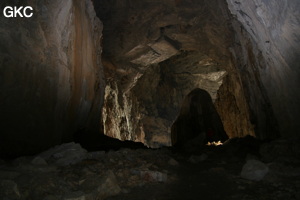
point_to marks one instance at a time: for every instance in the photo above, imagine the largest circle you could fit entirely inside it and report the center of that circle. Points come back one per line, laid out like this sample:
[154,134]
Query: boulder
[65,154]
[91,181]
[254,170]
[9,190]
[173,162]
[288,150]
[108,185]
[196,159]
[75,196]
[38,161]
[153,176]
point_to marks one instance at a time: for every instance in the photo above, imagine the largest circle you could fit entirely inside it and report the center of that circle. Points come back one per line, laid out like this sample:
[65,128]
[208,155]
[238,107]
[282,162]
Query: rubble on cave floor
[69,172]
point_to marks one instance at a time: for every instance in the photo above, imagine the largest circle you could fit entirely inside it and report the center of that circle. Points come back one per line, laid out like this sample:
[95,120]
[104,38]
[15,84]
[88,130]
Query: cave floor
[210,173]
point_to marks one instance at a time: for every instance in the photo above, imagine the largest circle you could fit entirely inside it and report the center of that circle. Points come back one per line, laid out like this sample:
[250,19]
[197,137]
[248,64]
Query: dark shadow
[198,123]
[96,141]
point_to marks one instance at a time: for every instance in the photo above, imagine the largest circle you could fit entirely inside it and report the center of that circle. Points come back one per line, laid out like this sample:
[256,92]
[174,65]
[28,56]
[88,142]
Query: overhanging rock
[152,53]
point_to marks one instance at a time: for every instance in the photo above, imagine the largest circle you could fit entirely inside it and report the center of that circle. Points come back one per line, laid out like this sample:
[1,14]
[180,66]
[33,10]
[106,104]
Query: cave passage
[90,91]
[198,122]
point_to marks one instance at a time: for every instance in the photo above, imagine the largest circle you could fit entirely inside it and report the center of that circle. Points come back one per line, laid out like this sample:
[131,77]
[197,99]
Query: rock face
[274,30]
[50,75]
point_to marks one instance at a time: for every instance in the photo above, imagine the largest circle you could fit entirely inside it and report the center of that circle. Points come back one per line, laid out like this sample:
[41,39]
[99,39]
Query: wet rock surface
[214,172]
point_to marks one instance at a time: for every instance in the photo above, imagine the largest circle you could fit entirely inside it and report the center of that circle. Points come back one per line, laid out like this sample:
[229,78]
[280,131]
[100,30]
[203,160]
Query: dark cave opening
[197,123]
[95,141]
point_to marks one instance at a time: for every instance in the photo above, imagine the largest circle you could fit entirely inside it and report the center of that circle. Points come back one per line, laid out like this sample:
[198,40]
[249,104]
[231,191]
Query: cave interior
[196,91]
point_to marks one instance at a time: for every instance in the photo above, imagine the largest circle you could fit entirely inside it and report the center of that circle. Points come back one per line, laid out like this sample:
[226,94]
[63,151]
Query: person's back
[197,123]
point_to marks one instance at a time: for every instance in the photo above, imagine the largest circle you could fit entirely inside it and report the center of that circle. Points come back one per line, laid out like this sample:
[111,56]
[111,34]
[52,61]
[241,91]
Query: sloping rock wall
[273,52]
[50,74]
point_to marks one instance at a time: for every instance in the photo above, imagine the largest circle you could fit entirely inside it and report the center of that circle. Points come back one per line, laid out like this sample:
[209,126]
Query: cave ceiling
[138,35]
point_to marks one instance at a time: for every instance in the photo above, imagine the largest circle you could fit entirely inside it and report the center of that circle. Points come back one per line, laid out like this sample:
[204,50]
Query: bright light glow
[214,143]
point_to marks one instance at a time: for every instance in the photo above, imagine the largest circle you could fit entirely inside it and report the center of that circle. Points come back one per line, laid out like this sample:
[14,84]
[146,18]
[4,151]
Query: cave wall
[51,78]
[255,43]
[273,51]
[157,52]
[162,89]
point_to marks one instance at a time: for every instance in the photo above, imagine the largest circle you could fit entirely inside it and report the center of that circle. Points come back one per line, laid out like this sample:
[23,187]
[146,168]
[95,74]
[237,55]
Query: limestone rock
[173,162]
[153,176]
[8,174]
[65,154]
[108,185]
[49,87]
[92,181]
[51,197]
[277,169]
[75,196]
[280,149]
[38,161]
[276,51]
[197,159]
[254,170]
[9,189]
[159,51]
[96,155]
